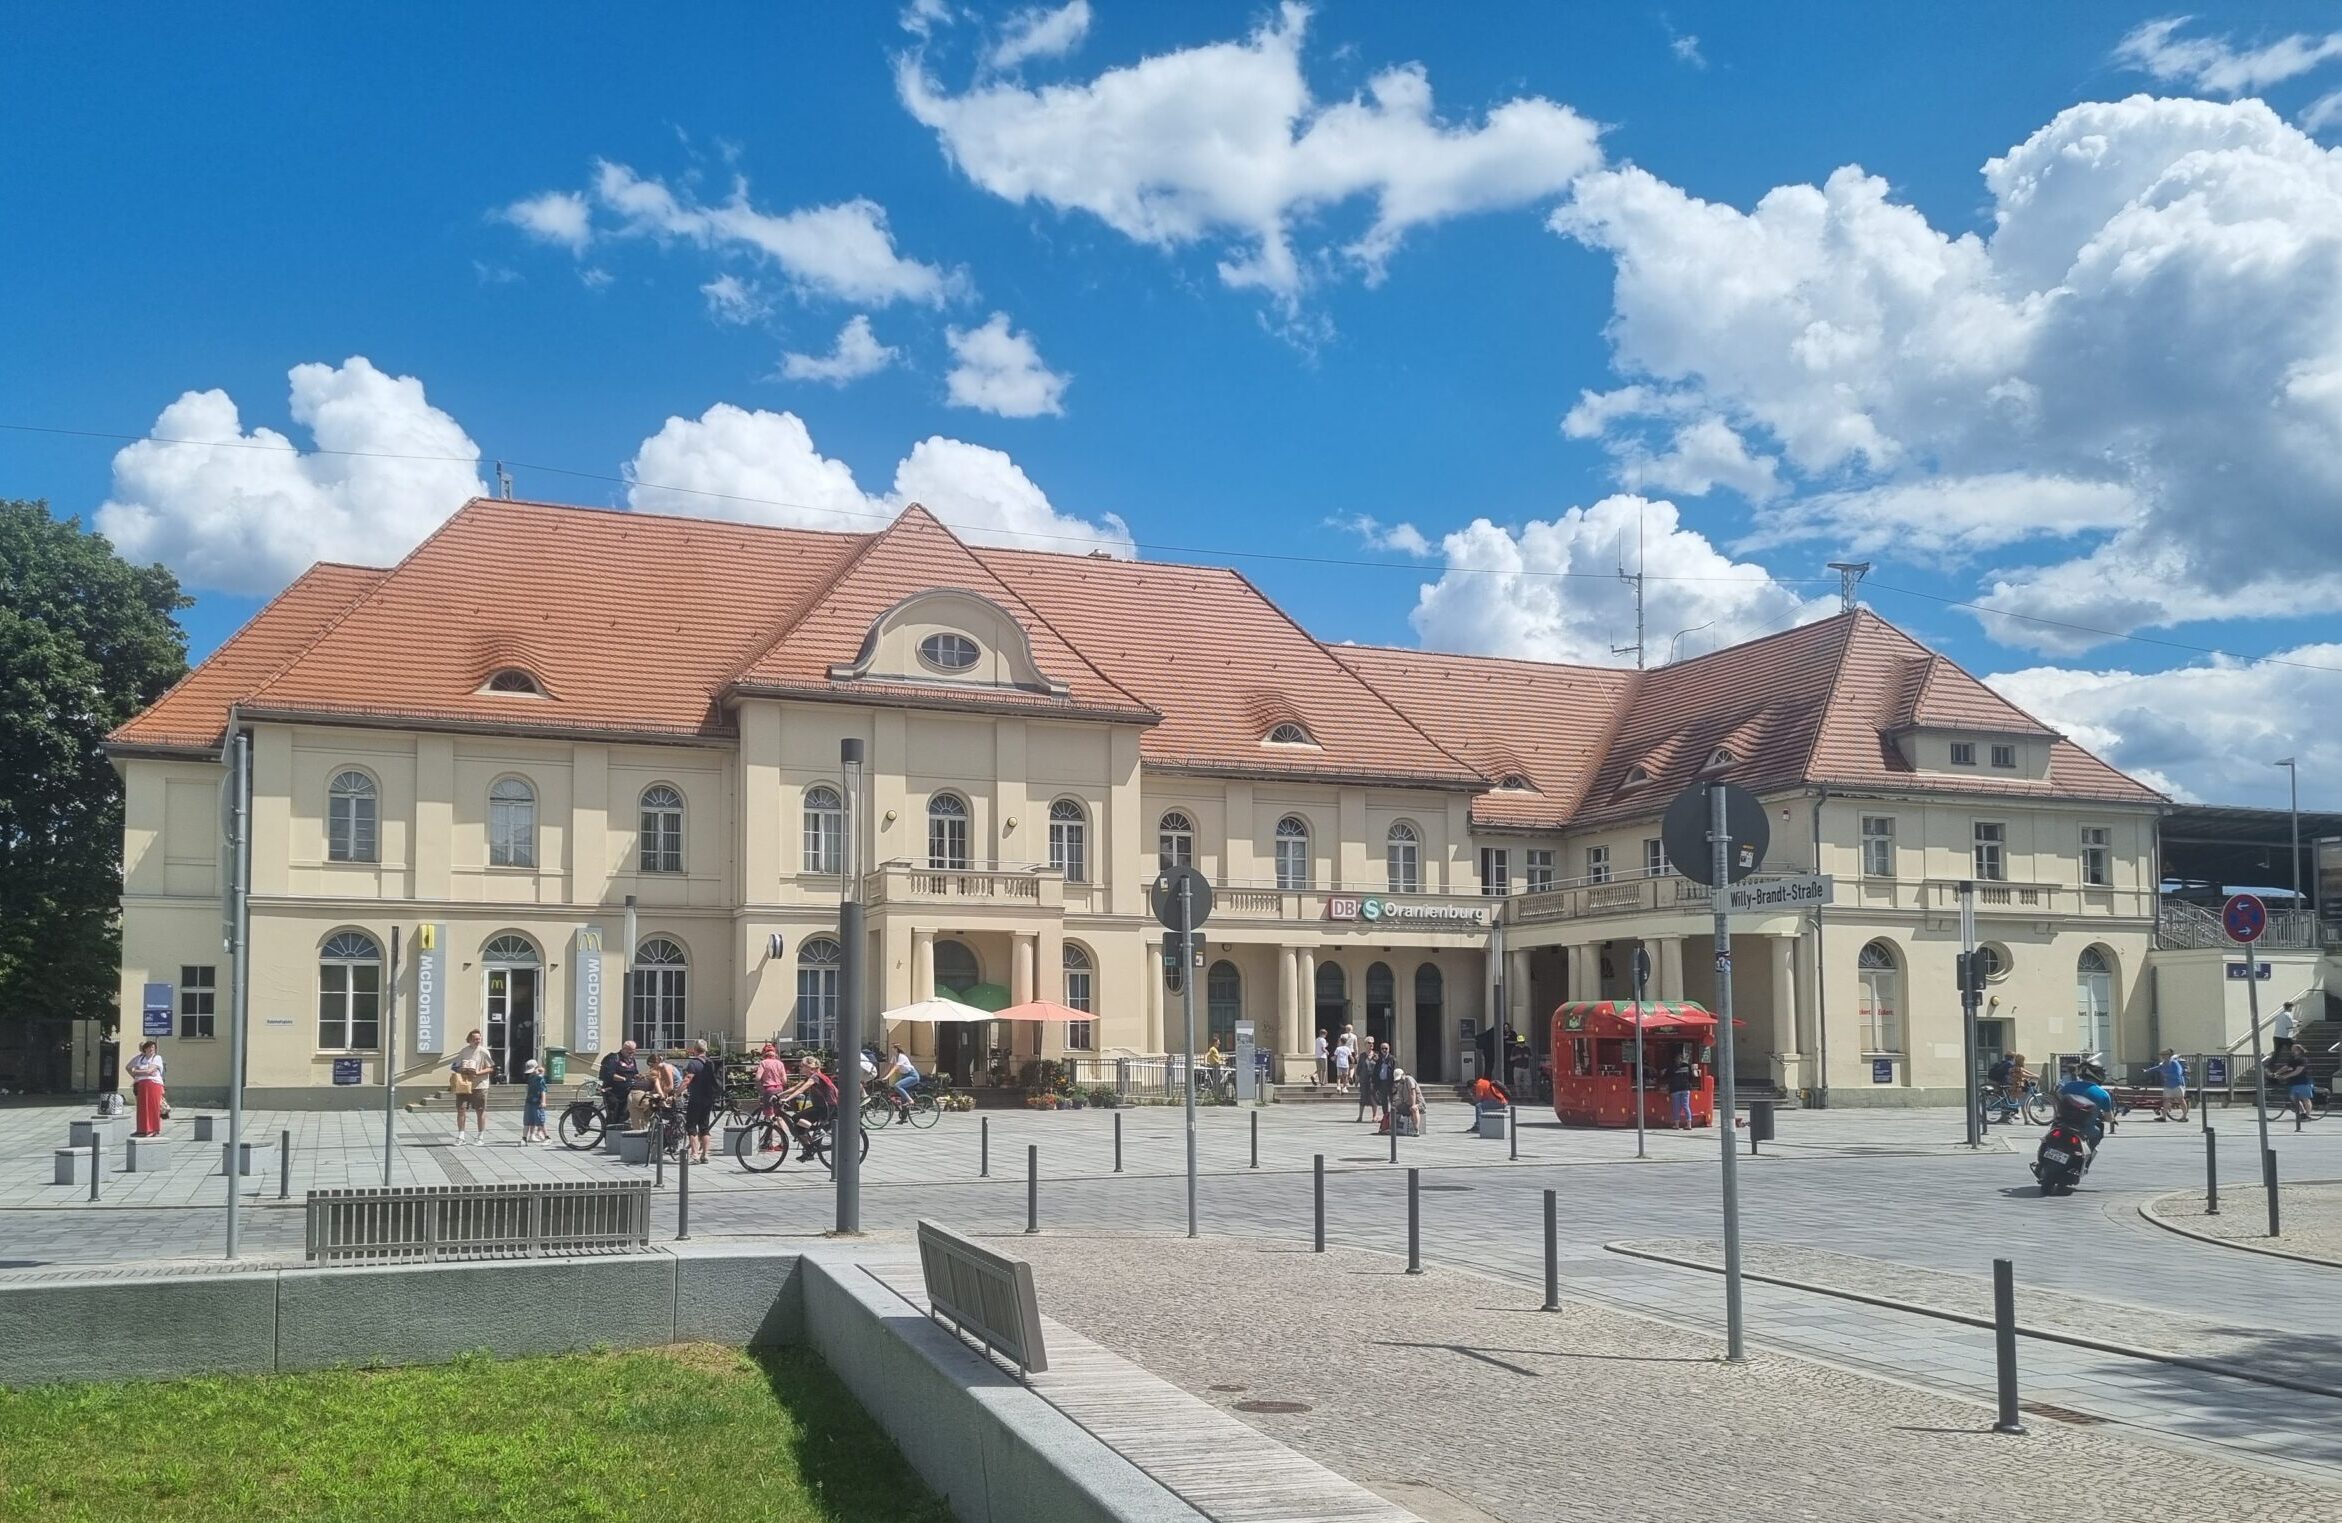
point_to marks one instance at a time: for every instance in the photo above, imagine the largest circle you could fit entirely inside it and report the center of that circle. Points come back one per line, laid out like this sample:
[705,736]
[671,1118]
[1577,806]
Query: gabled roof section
[1538,718]
[1206,650]
[1947,698]
[193,714]
[912,555]
[629,620]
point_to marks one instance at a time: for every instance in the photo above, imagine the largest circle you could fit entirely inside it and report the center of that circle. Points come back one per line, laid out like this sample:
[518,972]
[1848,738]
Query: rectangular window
[825,832]
[1175,842]
[2097,856]
[1654,857]
[1080,1036]
[198,992]
[1495,870]
[512,827]
[1403,862]
[1992,839]
[350,826]
[1878,846]
[2005,758]
[1292,862]
[1068,849]
[1539,867]
[947,842]
[349,1006]
[662,839]
[817,1004]
[1597,864]
[1963,753]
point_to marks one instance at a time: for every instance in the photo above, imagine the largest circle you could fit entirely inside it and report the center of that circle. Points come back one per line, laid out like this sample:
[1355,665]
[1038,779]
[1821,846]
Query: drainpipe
[1821,981]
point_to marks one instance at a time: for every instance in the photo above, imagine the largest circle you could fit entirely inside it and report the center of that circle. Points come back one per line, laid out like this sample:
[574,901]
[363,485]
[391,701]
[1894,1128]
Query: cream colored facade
[745,876]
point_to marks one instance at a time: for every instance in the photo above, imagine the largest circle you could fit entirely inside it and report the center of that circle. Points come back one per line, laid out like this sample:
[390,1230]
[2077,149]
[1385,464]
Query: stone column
[1305,987]
[922,965]
[1784,1022]
[1020,981]
[1670,968]
[1519,1015]
[1295,1035]
[1403,1016]
[1151,971]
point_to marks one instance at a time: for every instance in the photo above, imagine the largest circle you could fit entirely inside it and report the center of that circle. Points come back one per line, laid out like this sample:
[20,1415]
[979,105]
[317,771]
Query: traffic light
[1968,974]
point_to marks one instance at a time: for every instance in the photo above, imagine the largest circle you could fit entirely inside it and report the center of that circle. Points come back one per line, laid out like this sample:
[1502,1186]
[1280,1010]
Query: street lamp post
[846,1127]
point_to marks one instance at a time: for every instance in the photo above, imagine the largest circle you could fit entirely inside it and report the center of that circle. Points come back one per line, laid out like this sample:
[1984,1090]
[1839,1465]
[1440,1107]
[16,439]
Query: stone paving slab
[1446,1381]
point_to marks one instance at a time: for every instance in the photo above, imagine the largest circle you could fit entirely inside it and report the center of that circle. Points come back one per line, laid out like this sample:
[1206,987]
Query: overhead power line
[1201,552]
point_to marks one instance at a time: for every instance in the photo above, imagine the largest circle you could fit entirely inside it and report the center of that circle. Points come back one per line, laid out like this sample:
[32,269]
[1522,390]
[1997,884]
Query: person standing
[772,1075]
[1322,1045]
[146,1085]
[2171,1073]
[2284,1026]
[702,1082]
[468,1079]
[532,1112]
[1683,1077]
[1386,1072]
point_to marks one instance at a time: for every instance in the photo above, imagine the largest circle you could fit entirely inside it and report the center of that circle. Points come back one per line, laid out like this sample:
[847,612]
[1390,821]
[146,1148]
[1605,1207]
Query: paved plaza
[1891,1198]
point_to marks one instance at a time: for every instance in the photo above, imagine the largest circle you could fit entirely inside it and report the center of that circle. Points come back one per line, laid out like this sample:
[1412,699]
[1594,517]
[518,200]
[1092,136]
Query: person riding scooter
[2089,1085]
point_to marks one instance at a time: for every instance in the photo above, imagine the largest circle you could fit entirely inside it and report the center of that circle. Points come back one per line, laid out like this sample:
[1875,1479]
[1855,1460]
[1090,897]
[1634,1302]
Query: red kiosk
[1594,1082]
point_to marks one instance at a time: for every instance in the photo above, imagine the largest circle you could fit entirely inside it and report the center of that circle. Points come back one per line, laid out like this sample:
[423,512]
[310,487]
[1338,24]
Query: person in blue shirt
[2089,1083]
[2171,1073]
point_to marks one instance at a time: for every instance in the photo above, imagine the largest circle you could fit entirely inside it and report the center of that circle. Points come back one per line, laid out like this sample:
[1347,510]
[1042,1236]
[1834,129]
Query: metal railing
[2183,925]
[434,1224]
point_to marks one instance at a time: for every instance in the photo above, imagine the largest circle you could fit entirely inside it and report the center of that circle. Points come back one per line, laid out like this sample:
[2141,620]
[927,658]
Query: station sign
[1368,910]
[1804,892]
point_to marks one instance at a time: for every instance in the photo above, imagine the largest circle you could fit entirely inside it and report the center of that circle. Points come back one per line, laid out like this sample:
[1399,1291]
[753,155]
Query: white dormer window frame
[513,682]
[1514,782]
[949,652]
[1719,759]
[1637,776]
[1289,733]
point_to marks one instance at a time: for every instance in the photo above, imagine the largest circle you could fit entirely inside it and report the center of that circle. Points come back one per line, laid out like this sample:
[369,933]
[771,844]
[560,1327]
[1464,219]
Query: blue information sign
[2215,1070]
[154,1014]
[349,1070]
[1882,1070]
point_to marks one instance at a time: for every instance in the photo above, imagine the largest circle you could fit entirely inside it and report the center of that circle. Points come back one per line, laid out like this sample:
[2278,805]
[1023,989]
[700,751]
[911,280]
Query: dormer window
[948,652]
[1514,782]
[1636,777]
[1719,759]
[1289,735]
[511,679]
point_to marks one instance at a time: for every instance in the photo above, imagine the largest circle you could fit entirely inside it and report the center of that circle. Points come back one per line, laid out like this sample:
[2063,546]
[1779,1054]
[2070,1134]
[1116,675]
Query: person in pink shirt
[772,1074]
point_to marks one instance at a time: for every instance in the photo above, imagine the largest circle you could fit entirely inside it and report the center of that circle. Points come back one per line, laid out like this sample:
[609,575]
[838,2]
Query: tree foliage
[86,641]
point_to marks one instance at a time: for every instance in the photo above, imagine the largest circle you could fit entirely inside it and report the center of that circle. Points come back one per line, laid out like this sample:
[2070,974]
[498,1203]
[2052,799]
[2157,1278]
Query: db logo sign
[1342,907]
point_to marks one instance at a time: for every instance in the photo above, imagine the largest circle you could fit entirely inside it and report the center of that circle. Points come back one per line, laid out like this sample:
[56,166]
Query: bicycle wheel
[877,1109]
[2038,1108]
[825,1144]
[581,1126]
[924,1112]
[763,1147]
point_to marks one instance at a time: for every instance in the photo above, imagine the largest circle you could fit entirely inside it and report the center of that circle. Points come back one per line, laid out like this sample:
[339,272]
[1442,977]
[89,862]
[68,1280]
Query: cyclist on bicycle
[619,1071]
[819,1094]
[903,1076]
[2010,1077]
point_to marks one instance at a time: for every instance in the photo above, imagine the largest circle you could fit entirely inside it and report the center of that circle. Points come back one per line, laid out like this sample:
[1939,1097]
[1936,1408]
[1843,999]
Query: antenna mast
[1636,582]
[1850,575]
[503,482]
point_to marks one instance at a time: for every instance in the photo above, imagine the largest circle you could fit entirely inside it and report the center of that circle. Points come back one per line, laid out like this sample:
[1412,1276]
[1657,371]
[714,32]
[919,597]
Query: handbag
[459,1083]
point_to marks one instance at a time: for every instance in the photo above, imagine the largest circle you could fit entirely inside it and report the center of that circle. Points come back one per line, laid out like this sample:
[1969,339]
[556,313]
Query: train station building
[469,765]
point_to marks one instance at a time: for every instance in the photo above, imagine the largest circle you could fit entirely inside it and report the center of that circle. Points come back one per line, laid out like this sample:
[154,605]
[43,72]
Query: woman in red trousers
[146,1082]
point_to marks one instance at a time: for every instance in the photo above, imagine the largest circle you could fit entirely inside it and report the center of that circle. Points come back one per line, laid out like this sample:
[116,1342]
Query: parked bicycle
[587,1117]
[1999,1107]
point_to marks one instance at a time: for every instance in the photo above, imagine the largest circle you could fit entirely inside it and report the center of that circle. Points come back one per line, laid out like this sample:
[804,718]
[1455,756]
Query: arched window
[1381,986]
[2094,1000]
[1514,782]
[1175,840]
[1069,840]
[350,815]
[818,962]
[956,968]
[662,829]
[512,823]
[1292,854]
[511,949]
[1224,1003]
[512,679]
[1289,734]
[825,830]
[1080,994]
[1403,858]
[1333,998]
[657,996]
[349,993]
[947,831]
[1882,998]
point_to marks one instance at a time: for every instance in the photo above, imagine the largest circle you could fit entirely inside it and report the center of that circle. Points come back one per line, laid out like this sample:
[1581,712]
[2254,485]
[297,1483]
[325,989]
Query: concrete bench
[203,1126]
[252,1157]
[99,1129]
[634,1146]
[73,1165]
[146,1155]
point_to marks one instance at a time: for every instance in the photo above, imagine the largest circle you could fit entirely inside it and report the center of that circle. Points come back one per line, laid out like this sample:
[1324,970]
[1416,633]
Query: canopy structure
[936,1011]
[1042,1010]
[1619,1018]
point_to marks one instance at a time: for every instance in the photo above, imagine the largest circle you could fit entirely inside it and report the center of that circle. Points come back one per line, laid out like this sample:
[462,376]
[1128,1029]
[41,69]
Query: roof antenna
[1850,575]
[1636,582]
[503,482]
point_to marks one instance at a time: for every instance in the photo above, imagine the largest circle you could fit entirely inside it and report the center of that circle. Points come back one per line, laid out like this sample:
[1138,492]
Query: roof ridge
[1537,662]
[1813,743]
[791,617]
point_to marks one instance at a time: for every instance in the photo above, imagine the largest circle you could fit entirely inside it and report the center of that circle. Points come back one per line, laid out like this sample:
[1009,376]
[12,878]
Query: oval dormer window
[948,652]
[512,679]
[1514,782]
[1290,735]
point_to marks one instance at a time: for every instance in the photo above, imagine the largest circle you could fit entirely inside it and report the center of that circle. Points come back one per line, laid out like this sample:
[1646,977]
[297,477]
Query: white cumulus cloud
[246,512]
[2216,64]
[999,371]
[762,467]
[1549,590]
[733,300]
[2147,344]
[1040,32]
[2206,732]
[557,216]
[1227,143]
[856,354]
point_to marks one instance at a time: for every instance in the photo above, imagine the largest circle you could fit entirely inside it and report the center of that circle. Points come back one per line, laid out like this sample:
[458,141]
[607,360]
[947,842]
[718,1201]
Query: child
[532,1116]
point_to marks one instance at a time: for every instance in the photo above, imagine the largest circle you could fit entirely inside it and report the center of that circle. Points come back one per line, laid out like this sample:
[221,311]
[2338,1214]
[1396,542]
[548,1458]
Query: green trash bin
[556,1064]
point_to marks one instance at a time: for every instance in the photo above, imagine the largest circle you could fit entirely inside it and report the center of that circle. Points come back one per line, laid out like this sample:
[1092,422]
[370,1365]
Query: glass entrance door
[512,1020]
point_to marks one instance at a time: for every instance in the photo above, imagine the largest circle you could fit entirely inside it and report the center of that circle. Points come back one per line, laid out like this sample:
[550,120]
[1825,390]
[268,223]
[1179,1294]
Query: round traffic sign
[2244,917]
[1684,831]
[1164,895]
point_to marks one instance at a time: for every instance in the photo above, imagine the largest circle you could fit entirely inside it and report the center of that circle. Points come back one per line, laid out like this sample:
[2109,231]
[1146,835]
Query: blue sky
[1248,299]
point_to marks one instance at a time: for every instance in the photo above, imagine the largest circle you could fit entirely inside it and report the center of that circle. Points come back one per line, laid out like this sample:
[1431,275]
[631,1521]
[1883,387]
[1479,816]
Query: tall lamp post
[854,946]
[2293,803]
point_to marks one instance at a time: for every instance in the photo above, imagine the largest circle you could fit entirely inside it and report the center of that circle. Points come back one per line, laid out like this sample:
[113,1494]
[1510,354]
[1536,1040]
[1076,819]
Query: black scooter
[2065,1153]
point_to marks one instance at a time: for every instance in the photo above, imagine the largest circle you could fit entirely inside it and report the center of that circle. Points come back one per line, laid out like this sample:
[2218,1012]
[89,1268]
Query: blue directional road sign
[2244,917]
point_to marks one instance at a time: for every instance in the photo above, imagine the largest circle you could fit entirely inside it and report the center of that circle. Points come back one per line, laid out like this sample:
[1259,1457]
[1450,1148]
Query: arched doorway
[1430,1041]
[1882,999]
[1224,1005]
[962,1049]
[1382,1004]
[2094,1002]
[1333,999]
[514,973]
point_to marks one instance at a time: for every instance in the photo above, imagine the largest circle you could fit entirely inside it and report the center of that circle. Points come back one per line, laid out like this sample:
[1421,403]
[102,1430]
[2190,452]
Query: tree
[86,641]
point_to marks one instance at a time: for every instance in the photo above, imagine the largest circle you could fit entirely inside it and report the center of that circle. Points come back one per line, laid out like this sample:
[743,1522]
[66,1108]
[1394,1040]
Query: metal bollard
[1414,1222]
[2269,1184]
[1552,1256]
[2211,1172]
[1032,1188]
[2004,1343]
[1319,1170]
[1512,1131]
[1394,1125]
[1256,1139]
[658,1154]
[1118,1142]
[284,1164]
[683,1197]
[983,1147]
[97,1162]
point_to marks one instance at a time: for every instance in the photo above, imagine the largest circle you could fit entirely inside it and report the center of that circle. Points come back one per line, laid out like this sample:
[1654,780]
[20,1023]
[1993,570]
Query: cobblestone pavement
[1445,1381]
[1890,1186]
[2310,1221]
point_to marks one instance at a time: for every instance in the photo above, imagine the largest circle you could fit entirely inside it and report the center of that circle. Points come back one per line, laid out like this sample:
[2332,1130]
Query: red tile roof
[648,625]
